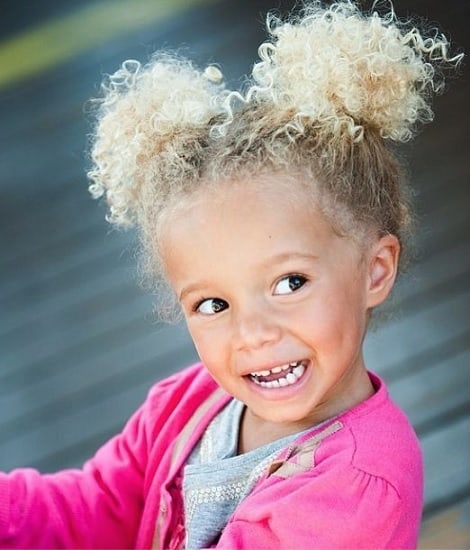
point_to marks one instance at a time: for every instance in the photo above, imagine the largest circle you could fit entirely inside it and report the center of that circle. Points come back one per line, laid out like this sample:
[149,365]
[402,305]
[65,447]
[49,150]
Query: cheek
[208,345]
[335,319]
[214,357]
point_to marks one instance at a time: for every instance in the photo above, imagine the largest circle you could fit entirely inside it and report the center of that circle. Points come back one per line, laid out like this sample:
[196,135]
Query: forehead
[245,201]
[244,218]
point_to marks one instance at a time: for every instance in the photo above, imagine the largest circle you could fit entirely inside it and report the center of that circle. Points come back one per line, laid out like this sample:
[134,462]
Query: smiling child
[275,219]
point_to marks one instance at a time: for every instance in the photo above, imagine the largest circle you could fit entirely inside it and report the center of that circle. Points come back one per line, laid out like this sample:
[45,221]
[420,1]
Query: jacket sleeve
[96,507]
[338,509]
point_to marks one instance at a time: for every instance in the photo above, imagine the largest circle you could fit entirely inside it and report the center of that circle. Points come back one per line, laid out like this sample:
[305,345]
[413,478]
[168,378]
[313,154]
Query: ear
[382,269]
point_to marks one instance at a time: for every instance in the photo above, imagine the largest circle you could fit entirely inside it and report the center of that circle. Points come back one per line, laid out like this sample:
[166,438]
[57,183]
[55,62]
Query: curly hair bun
[143,115]
[342,70]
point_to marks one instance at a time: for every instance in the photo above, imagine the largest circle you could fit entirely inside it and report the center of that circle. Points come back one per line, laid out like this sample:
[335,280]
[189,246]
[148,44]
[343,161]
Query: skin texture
[264,280]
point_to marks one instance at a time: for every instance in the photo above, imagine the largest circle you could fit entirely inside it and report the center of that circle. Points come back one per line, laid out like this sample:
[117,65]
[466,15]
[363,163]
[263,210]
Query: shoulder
[383,442]
[354,482]
[376,456]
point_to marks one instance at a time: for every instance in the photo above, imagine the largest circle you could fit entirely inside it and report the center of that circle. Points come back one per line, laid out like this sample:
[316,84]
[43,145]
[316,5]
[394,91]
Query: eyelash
[197,305]
[302,278]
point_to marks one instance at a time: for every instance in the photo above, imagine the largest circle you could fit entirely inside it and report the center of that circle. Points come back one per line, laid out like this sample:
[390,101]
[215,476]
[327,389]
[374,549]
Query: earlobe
[383,266]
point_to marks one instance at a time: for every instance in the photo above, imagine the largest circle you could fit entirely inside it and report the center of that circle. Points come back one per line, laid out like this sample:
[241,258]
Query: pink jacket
[356,482]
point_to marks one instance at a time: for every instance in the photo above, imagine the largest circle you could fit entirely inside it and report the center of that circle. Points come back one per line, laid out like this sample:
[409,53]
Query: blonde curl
[145,122]
[341,70]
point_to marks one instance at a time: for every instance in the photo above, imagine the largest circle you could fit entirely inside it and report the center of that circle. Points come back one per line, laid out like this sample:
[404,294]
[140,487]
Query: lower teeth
[288,380]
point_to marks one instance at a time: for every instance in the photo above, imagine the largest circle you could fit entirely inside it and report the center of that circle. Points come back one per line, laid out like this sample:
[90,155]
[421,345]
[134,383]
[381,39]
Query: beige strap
[303,454]
[188,430]
[180,445]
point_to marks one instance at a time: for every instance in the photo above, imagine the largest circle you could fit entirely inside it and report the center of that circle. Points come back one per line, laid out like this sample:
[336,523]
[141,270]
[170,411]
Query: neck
[255,431]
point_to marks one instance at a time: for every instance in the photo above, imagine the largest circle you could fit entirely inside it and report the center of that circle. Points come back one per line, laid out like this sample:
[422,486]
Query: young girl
[275,219]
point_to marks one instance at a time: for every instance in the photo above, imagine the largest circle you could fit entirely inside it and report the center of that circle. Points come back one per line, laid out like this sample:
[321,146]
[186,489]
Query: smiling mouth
[281,376]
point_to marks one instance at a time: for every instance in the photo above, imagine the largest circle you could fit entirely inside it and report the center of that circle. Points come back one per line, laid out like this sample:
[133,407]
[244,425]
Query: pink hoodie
[356,482]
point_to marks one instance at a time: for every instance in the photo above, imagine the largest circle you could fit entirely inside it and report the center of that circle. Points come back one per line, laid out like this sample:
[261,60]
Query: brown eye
[211,306]
[289,284]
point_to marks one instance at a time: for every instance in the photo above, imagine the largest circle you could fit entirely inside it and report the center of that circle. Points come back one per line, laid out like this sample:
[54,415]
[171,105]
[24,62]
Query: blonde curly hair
[334,89]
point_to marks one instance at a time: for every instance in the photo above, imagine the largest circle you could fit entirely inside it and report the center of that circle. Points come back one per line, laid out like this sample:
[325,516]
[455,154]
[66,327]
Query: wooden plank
[448,529]
[428,396]
[60,321]
[55,217]
[50,294]
[391,349]
[105,406]
[446,453]
[110,350]
[434,270]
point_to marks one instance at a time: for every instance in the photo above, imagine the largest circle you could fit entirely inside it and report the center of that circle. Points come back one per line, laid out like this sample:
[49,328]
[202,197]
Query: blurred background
[79,343]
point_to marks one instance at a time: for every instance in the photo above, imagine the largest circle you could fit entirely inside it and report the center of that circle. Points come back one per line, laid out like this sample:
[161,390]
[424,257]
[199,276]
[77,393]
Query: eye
[211,306]
[289,284]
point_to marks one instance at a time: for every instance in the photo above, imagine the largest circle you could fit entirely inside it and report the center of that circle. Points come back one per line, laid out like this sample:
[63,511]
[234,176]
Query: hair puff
[146,121]
[340,70]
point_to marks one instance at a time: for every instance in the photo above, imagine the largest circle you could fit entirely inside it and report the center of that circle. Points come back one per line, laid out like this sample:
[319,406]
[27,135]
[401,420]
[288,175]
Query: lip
[285,392]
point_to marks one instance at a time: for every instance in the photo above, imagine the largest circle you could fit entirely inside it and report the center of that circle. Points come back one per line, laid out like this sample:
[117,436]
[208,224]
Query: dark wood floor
[79,346]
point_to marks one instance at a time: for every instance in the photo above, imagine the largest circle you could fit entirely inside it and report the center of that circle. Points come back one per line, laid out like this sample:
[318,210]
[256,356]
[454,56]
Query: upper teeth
[274,370]
[290,378]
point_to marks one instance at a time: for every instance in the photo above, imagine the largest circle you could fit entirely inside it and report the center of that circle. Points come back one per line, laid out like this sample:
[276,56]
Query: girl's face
[275,301]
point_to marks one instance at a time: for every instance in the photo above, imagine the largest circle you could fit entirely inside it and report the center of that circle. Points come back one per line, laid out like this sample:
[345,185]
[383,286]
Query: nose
[255,329]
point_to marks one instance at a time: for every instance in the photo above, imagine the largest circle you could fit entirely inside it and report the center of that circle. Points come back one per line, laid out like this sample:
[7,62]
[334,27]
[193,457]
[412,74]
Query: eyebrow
[192,288]
[286,256]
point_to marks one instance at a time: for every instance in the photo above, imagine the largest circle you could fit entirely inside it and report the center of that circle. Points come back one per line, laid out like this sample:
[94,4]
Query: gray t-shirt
[216,479]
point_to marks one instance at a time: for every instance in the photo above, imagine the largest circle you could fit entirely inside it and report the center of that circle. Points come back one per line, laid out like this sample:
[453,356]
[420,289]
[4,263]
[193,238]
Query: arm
[102,505]
[98,506]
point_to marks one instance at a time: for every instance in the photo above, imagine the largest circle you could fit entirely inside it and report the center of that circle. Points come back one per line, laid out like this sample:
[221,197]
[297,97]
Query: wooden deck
[78,344]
